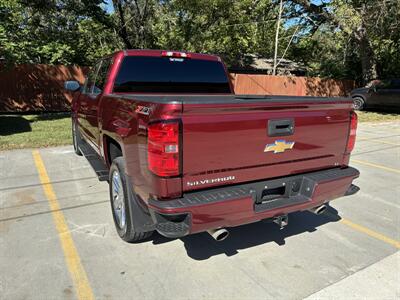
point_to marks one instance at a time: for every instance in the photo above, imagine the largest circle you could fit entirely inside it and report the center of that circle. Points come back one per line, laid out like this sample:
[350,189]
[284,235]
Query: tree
[50,31]
[278,25]
[333,38]
[136,18]
[123,33]
[229,28]
[364,21]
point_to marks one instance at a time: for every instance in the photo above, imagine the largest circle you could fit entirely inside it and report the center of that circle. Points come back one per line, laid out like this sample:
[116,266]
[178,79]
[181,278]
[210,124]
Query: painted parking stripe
[375,137]
[73,261]
[366,163]
[371,233]
[378,142]
[365,230]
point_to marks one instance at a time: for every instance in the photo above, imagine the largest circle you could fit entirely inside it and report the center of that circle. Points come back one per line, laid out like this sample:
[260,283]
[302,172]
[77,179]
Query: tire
[359,103]
[120,195]
[76,139]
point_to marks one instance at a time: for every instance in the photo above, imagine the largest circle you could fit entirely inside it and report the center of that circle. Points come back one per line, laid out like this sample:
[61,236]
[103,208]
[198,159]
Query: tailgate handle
[280,127]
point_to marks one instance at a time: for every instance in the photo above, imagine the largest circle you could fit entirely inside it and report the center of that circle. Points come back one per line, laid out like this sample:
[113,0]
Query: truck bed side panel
[126,121]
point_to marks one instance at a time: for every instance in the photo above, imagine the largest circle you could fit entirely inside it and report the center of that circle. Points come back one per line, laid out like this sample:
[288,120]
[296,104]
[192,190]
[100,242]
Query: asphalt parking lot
[57,239]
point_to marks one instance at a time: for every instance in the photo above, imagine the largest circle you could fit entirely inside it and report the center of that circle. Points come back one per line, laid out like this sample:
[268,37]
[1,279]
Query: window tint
[396,83]
[389,84]
[88,89]
[102,75]
[171,75]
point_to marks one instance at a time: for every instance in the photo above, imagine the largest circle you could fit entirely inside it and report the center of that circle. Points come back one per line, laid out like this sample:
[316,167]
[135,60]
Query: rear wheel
[76,139]
[359,103]
[120,195]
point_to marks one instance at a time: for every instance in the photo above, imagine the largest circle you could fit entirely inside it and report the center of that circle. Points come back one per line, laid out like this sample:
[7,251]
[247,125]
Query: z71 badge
[279,146]
[143,110]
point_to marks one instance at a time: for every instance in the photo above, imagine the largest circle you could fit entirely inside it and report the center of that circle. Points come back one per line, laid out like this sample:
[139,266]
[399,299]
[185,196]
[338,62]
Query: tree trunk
[122,32]
[141,22]
[278,25]
[368,63]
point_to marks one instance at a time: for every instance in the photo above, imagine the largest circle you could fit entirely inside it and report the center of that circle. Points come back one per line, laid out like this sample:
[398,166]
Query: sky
[109,6]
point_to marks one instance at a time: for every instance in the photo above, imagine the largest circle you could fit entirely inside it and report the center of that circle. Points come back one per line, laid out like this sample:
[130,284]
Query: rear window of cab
[148,74]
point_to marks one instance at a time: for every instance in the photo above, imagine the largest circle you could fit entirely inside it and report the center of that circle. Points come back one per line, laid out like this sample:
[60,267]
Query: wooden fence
[37,87]
[291,86]
[33,88]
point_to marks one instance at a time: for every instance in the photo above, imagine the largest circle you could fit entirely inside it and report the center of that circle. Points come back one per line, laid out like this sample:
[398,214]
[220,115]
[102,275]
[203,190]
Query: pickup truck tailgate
[227,143]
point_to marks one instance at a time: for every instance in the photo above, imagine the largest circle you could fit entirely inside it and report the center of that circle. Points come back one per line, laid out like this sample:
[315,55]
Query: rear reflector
[176,54]
[352,133]
[163,148]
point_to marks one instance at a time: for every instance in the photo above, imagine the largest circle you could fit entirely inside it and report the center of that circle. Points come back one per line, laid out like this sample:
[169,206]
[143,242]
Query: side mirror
[72,85]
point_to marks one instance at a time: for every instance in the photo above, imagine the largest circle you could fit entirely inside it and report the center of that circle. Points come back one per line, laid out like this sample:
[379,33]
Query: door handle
[280,127]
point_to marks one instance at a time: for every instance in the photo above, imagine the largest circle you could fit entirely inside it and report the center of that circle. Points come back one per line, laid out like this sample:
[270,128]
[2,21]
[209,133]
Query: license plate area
[272,193]
[283,192]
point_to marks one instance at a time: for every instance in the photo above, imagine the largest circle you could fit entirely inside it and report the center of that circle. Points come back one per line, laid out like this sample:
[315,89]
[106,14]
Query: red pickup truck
[184,154]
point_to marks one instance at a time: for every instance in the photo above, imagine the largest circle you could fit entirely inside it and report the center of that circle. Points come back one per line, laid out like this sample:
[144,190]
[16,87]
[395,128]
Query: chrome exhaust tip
[218,234]
[318,210]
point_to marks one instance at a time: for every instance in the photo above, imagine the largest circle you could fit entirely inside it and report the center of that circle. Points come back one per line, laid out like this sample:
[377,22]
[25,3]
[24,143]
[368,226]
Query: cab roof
[155,53]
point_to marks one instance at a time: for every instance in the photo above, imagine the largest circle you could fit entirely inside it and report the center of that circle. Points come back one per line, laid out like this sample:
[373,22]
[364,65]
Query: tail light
[352,133]
[163,148]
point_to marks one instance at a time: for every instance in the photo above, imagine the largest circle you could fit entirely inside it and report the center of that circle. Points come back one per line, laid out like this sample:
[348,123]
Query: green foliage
[333,38]
[207,26]
[357,39]
[94,41]
[52,32]
[324,54]
[12,46]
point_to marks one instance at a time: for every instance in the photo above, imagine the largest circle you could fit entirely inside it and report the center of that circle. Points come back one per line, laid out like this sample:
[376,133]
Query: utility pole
[278,25]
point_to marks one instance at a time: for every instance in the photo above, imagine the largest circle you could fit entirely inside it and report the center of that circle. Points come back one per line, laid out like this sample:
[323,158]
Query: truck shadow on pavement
[201,246]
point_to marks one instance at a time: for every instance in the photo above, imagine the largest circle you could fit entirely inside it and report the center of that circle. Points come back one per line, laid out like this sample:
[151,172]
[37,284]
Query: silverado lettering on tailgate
[210,181]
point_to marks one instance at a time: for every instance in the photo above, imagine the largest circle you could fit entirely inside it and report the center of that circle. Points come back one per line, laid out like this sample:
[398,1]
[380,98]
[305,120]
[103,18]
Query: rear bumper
[246,203]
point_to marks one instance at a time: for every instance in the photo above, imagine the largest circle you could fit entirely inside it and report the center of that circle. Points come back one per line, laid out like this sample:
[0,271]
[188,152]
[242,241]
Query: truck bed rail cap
[222,99]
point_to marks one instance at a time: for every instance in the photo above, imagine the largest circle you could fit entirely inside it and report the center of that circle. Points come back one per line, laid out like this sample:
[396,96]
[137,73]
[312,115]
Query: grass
[45,130]
[371,116]
[34,131]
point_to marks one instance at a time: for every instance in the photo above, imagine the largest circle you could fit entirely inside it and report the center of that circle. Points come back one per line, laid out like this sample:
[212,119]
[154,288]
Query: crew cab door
[90,101]
[94,98]
[86,103]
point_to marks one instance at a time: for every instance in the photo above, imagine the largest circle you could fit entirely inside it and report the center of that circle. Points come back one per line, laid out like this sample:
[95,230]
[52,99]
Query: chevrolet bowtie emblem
[279,146]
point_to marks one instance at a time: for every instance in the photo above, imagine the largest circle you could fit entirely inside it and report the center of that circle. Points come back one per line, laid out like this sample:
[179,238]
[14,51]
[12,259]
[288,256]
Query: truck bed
[224,137]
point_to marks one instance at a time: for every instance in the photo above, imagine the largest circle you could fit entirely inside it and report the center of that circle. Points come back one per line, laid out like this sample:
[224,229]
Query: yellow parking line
[361,162]
[371,233]
[377,142]
[71,255]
